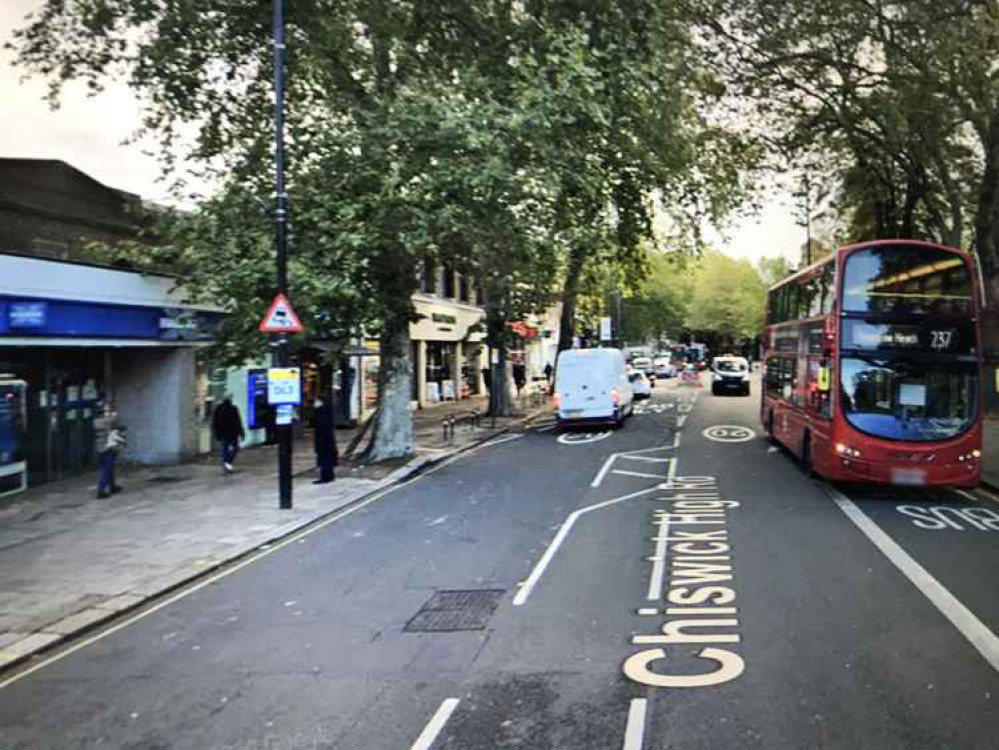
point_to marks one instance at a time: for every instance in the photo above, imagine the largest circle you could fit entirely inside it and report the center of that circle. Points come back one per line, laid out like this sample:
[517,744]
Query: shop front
[448,353]
[75,335]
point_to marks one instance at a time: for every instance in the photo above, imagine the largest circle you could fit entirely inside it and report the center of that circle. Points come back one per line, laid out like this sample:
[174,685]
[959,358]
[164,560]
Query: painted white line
[539,569]
[981,494]
[658,573]
[676,441]
[255,556]
[549,428]
[603,470]
[638,474]
[502,440]
[634,732]
[435,725]
[649,459]
[950,607]
[680,421]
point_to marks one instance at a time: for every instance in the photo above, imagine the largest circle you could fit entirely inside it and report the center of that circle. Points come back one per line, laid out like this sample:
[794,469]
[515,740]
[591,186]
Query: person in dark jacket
[327,456]
[227,426]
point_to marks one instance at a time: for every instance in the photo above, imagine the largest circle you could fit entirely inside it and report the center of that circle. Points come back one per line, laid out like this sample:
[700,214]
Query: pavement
[69,562]
[677,583]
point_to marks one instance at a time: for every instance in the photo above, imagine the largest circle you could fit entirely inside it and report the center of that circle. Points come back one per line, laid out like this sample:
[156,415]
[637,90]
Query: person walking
[519,376]
[109,439]
[227,427]
[548,374]
[327,456]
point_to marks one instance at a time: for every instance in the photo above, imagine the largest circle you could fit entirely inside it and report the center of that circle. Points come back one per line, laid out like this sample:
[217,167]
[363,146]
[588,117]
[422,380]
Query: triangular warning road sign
[281,317]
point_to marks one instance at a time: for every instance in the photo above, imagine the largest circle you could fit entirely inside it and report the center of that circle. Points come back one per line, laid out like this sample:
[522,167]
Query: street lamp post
[281,228]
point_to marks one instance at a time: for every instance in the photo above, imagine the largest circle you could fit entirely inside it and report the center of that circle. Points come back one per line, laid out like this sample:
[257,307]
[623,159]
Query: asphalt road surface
[677,583]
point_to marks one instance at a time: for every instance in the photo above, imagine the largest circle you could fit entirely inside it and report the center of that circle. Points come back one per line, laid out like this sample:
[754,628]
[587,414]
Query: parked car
[592,386]
[644,364]
[664,367]
[728,374]
[640,384]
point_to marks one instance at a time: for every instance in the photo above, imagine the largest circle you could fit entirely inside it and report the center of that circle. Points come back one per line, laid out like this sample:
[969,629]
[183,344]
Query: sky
[88,132]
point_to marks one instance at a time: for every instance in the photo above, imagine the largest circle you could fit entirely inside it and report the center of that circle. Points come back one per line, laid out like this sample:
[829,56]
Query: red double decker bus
[872,368]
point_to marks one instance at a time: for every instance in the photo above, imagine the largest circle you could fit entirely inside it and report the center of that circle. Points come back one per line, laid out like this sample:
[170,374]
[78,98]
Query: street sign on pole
[284,386]
[281,317]
[606,332]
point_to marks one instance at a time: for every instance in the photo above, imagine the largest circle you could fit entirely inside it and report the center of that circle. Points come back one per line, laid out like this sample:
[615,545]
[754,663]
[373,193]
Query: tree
[728,298]
[773,270]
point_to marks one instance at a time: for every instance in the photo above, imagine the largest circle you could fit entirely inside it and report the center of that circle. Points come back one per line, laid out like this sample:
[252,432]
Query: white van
[591,385]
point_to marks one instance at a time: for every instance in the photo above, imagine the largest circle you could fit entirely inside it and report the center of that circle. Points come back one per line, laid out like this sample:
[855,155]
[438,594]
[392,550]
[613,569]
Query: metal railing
[451,422]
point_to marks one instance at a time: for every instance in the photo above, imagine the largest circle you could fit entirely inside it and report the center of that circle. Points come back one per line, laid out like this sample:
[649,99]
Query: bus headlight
[845,450]
[972,456]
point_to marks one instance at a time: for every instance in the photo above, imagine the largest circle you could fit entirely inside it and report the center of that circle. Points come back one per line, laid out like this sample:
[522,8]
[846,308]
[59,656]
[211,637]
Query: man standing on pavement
[325,440]
[227,427]
[108,440]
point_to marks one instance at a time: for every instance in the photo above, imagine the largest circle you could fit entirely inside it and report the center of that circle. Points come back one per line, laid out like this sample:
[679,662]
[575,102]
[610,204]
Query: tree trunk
[570,291]
[500,404]
[393,433]
[987,215]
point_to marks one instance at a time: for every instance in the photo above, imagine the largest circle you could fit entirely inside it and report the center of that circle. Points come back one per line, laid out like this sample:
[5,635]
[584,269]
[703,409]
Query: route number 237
[941,340]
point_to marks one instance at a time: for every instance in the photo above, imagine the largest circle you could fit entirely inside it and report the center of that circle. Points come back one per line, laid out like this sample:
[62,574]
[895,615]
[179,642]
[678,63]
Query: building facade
[75,334]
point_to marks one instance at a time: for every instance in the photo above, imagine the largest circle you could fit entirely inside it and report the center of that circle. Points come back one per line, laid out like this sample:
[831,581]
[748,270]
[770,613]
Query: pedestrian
[227,427]
[519,376]
[548,373]
[109,439]
[327,456]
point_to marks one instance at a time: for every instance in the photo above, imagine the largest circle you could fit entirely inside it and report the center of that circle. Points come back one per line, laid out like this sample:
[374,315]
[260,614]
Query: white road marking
[659,566]
[539,570]
[502,440]
[650,459]
[634,732]
[549,428]
[436,724]
[983,639]
[603,470]
[437,521]
[982,493]
[680,420]
[638,474]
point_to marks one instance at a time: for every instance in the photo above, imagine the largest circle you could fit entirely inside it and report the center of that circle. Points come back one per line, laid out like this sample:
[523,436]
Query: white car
[644,364]
[664,367]
[728,374]
[640,384]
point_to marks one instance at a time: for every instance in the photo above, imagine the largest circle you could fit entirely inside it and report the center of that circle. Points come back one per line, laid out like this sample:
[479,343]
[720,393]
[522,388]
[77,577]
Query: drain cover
[449,611]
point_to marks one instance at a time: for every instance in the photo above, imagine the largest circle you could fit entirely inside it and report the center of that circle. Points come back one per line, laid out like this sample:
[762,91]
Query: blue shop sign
[69,319]
[26,314]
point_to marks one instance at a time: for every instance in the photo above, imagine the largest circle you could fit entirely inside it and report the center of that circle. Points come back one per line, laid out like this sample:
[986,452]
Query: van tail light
[615,396]
[556,398]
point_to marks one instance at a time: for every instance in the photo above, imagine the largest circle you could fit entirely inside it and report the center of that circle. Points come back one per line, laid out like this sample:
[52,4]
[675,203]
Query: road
[826,618]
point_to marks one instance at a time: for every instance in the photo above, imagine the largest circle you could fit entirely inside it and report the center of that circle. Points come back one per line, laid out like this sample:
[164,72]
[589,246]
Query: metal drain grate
[449,611]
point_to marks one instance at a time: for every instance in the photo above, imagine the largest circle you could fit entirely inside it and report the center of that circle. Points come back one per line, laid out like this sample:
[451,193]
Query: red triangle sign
[281,317]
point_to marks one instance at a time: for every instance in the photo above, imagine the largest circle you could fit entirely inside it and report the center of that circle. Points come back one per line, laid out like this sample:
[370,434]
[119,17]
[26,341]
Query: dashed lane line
[435,725]
[634,732]
[528,585]
[983,639]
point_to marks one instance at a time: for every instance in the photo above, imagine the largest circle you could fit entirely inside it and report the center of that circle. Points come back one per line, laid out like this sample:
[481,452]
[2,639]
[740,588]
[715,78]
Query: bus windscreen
[907,280]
